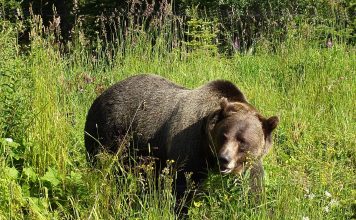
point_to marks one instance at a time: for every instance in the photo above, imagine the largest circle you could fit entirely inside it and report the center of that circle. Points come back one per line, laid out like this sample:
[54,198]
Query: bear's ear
[270,124]
[212,119]
[228,108]
[223,103]
[216,116]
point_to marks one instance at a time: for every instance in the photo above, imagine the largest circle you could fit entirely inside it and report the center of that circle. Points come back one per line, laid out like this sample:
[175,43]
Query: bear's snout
[225,164]
[224,159]
[230,159]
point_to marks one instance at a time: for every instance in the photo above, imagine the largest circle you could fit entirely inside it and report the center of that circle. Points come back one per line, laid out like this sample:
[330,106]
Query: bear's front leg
[256,180]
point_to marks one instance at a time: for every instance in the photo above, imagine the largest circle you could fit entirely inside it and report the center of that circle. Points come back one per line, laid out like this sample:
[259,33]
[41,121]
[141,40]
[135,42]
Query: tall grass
[45,96]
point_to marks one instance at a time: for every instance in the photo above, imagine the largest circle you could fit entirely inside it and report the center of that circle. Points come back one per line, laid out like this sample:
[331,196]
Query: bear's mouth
[225,171]
[226,168]
[238,169]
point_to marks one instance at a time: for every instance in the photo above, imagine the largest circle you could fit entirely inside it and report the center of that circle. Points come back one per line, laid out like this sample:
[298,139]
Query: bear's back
[143,83]
[142,103]
[136,95]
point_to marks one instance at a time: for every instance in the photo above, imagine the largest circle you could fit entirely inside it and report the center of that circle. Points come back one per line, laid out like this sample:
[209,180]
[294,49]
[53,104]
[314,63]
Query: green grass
[45,97]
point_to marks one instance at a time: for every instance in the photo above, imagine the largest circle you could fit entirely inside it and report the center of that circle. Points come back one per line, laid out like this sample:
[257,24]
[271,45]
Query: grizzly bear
[210,127]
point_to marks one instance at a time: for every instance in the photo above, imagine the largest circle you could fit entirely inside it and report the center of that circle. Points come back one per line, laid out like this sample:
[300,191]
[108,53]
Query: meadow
[45,95]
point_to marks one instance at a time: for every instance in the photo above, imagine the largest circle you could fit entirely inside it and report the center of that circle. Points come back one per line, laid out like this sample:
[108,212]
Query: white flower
[327,194]
[333,203]
[326,209]
[311,196]
[305,218]
[9,140]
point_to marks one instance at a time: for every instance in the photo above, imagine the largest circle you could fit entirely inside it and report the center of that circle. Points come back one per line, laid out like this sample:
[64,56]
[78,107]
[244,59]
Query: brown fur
[211,126]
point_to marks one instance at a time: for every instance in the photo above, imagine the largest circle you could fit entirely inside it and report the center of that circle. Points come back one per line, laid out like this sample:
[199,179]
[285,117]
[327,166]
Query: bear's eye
[240,139]
[225,137]
[242,148]
[242,144]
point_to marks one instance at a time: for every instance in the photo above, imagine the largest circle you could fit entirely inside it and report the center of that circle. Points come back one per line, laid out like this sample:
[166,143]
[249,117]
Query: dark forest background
[232,25]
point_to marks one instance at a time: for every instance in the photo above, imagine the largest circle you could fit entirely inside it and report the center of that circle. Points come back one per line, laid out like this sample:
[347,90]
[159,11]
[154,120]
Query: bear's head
[239,135]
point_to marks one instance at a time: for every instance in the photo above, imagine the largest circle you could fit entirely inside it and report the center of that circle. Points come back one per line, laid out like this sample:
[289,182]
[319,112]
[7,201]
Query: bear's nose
[223,159]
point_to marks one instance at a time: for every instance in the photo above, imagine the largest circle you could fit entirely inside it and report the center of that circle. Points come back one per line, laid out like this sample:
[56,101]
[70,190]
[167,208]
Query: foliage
[237,25]
[245,22]
[15,84]
[8,9]
[201,34]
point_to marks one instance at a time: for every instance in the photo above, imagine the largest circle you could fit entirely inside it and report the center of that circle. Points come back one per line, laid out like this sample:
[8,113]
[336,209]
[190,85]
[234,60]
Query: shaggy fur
[179,124]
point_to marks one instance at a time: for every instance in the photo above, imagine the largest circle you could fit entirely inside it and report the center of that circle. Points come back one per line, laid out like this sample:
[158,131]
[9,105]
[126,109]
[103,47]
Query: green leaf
[75,177]
[30,174]
[26,190]
[52,177]
[11,172]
